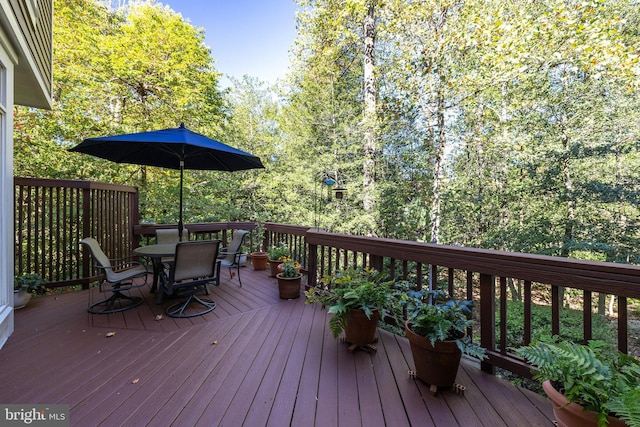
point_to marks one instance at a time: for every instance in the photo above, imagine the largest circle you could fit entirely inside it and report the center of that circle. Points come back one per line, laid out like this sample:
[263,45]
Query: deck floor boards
[255,360]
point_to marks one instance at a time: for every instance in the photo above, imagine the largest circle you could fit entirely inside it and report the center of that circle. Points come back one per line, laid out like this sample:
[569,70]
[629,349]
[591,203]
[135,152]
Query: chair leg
[178,309]
[237,268]
[111,302]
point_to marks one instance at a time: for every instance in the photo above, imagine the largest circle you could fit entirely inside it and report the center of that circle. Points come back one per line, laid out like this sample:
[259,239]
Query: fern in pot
[436,326]
[588,385]
[358,298]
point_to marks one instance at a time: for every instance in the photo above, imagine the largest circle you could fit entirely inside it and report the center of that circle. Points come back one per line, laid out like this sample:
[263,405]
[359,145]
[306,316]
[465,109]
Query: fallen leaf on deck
[110,334]
[159,317]
[215,342]
[135,381]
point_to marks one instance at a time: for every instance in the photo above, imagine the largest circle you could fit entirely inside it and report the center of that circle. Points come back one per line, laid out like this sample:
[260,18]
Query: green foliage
[352,288]
[571,322]
[290,269]
[592,375]
[279,251]
[30,282]
[500,126]
[435,316]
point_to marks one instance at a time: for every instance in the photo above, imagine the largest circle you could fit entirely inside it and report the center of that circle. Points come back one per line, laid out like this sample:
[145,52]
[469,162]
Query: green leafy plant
[593,376]
[279,251]
[290,269]
[437,317]
[30,282]
[352,288]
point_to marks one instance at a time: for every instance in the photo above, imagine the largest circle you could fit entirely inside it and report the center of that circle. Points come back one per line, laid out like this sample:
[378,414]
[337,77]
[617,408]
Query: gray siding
[34,74]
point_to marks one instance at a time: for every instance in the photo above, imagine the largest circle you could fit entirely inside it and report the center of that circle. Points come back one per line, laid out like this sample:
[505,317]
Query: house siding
[34,71]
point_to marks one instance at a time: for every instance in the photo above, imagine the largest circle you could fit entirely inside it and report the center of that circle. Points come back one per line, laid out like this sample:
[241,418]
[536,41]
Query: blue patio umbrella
[174,148]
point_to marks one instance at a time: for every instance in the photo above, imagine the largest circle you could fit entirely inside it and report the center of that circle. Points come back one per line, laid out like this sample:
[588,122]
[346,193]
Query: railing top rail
[150,229]
[68,183]
[286,228]
[619,279]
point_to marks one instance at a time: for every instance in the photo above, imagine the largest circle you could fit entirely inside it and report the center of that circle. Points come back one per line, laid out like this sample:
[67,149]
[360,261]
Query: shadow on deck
[255,360]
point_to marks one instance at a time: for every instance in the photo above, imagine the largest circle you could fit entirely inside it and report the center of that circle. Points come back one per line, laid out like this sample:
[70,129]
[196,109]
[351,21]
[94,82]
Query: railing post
[134,217]
[487,317]
[312,266]
[86,232]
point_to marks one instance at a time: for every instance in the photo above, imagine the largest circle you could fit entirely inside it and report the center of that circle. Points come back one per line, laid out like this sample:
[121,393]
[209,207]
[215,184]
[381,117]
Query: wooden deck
[255,360]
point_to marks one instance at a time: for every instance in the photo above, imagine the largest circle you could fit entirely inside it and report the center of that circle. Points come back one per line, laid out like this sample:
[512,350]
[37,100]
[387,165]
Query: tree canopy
[509,125]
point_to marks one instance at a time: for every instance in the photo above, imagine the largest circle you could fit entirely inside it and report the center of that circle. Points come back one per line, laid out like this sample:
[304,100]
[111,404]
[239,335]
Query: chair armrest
[228,253]
[125,265]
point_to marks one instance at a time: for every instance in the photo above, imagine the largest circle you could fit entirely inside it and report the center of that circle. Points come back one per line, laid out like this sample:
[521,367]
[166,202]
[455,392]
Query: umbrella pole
[180,219]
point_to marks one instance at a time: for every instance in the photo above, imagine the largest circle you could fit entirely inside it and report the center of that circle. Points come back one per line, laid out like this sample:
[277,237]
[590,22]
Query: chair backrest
[233,250]
[100,258]
[170,235]
[96,251]
[195,260]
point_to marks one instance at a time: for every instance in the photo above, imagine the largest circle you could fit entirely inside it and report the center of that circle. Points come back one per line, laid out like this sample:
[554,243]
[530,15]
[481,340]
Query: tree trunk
[438,165]
[369,118]
[568,184]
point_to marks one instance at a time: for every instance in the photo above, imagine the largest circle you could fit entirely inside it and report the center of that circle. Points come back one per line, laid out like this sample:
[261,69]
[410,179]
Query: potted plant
[277,253]
[26,285]
[436,327]
[358,298]
[259,258]
[588,385]
[289,280]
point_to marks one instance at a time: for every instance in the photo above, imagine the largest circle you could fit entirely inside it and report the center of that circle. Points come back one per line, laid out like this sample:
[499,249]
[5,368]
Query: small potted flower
[289,279]
[25,286]
[277,254]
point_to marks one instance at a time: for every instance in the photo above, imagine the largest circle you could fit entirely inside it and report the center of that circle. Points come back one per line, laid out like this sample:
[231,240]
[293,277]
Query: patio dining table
[155,253]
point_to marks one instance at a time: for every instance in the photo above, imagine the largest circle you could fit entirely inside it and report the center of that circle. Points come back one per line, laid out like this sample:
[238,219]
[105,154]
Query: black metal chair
[170,235]
[232,253]
[193,269]
[115,276]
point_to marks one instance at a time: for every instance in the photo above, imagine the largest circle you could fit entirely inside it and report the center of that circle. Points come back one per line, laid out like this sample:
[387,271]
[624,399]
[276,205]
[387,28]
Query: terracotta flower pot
[360,330]
[259,260]
[274,263]
[435,365]
[571,414]
[289,287]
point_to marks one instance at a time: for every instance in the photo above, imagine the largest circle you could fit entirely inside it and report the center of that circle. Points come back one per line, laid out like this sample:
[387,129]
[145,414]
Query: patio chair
[170,235]
[231,254]
[193,269]
[115,276]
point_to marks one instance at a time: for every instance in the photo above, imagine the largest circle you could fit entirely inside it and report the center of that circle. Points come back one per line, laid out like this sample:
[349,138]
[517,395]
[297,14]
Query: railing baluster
[587,328]
[487,317]
[622,324]
[555,310]
[527,313]
[503,315]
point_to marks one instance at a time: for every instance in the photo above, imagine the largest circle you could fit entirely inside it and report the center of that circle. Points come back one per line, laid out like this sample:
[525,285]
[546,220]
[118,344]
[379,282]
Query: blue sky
[245,36]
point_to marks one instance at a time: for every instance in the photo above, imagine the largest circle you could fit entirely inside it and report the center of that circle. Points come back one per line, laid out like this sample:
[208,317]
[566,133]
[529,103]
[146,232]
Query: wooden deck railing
[51,216]
[476,274]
